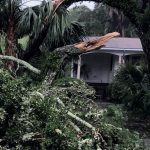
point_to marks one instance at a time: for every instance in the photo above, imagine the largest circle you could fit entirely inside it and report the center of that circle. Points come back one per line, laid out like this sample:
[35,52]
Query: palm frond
[61,31]
[26,23]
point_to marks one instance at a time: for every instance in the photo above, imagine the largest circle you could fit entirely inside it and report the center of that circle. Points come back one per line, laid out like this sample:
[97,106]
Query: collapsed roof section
[92,45]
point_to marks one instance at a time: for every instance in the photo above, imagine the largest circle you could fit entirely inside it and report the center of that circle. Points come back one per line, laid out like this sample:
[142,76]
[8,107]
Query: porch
[98,68]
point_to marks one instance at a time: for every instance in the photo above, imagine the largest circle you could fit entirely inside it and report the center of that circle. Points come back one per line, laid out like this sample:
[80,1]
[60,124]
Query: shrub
[131,86]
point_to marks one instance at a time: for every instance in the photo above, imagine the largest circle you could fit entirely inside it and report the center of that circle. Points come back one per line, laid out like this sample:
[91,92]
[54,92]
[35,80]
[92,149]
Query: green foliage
[77,98]
[93,21]
[31,118]
[26,120]
[12,96]
[2,43]
[131,86]
[75,93]
[23,41]
[58,29]
[36,30]
[102,19]
[55,59]
[116,115]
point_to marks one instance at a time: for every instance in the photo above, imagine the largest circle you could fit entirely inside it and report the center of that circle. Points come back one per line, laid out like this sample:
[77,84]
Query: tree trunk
[10,48]
[145,39]
[122,28]
[34,44]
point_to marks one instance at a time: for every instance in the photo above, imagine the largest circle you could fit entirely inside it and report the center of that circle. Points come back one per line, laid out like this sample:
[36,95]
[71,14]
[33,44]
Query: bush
[32,118]
[131,87]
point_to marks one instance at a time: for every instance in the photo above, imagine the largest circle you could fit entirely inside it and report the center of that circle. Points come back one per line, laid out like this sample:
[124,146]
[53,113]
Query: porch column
[79,67]
[72,68]
[123,61]
[120,59]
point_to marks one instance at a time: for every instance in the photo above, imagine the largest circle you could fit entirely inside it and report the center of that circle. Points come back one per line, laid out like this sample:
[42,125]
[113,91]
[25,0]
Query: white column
[120,59]
[79,67]
[123,61]
[72,68]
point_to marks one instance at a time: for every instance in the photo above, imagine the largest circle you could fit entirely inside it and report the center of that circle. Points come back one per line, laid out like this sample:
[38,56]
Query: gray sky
[36,2]
[31,2]
[88,4]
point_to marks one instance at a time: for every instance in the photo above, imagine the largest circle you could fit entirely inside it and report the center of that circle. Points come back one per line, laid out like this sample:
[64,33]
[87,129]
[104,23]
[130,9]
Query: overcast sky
[88,4]
[36,2]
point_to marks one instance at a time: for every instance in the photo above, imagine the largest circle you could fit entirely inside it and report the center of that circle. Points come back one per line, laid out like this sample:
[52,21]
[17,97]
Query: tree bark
[34,44]
[145,39]
[10,48]
[25,64]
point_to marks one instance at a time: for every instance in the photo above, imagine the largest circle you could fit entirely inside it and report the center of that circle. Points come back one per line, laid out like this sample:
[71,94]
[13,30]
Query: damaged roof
[118,43]
[91,45]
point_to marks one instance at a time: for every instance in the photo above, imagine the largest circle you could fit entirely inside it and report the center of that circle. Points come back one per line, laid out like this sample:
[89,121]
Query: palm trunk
[10,48]
[33,45]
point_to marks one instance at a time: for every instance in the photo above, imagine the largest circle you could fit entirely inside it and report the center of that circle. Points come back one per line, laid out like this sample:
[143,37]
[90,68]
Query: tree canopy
[102,19]
[47,26]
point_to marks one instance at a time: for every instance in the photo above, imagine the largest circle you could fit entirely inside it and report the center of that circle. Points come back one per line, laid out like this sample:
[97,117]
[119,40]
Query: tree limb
[24,63]
[87,46]
[76,117]
[75,127]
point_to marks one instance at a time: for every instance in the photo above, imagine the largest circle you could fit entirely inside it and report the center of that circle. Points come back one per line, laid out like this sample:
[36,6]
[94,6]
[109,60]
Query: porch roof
[120,43]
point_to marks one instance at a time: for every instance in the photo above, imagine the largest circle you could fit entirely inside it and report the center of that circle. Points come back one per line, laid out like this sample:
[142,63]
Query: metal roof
[121,43]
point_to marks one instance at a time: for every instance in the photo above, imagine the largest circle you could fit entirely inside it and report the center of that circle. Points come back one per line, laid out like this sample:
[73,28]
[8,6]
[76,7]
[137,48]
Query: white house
[98,67]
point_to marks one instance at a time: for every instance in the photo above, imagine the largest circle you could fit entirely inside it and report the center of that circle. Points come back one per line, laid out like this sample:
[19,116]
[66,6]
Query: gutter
[121,49]
[112,50]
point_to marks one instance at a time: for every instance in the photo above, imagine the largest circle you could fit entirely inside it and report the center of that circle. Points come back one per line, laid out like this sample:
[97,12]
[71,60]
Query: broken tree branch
[70,114]
[75,127]
[87,46]
[97,43]
[84,142]
[76,117]
[81,121]
[22,62]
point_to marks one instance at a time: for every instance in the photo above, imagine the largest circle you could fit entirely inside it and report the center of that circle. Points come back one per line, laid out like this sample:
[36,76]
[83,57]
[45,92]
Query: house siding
[99,65]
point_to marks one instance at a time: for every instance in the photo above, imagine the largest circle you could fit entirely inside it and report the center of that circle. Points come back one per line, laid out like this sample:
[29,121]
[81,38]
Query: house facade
[98,67]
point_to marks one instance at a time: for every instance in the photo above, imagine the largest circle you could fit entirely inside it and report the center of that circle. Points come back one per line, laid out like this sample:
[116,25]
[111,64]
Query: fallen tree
[45,116]
[67,51]
[64,53]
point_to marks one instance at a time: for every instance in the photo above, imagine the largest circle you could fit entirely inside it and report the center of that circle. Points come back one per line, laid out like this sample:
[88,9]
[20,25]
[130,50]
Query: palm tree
[52,29]
[10,16]
[47,25]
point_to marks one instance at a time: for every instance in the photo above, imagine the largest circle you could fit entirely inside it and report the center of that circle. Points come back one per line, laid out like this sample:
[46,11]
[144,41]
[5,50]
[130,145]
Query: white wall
[99,66]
